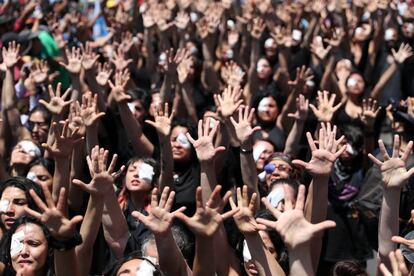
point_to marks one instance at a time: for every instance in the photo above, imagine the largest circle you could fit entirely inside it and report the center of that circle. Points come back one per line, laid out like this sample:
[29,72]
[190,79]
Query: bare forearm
[300,262]
[294,137]
[249,172]
[75,198]
[376,92]
[8,94]
[61,176]
[204,262]
[66,263]
[167,163]
[207,179]
[187,97]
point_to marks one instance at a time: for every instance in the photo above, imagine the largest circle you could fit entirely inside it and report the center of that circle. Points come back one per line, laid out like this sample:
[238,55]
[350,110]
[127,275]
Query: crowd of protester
[201,137]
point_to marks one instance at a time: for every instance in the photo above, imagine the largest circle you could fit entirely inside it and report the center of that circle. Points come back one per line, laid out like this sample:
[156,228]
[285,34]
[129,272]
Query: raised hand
[207,218]
[303,75]
[336,39]
[174,60]
[104,73]
[57,103]
[405,51]
[65,140]
[243,127]
[74,65]
[11,54]
[202,28]
[204,144]
[162,121]
[184,68]
[326,108]
[399,267]
[244,218]
[52,215]
[228,102]
[318,49]
[369,113]
[89,57]
[257,28]
[39,71]
[75,119]
[393,171]
[295,230]
[89,109]
[102,174]
[118,89]
[119,60]
[323,157]
[302,108]
[159,219]
[232,74]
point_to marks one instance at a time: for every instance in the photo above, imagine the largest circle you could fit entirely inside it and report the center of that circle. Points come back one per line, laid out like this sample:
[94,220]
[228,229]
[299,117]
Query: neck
[17,170]
[138,198]
[355,99]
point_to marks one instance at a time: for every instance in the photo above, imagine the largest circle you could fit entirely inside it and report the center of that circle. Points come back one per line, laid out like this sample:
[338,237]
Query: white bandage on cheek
[246,252]
[269,42]
[263,105]
[358,30]
[146,172]
[16,245]
[211,122]
[410,27]
[163,59]
[388,34]
[193,17]
[30,148]
[297,35]
[229,54]
[257,151]
[145,269]
[32,176]
[4,205]
[131,107]
[262,176]
[351,82]
[230,24]
[183,140]
[276,196]
[402,8]
[310,83]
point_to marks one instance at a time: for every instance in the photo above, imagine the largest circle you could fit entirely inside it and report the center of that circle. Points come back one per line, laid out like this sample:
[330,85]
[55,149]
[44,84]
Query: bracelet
[68,244]
[246,151]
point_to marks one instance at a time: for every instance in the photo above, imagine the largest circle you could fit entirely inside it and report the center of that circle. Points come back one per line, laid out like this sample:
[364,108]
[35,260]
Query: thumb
[81,184]
[75,220]
[182,217]
[398,239]
[300,163]
[324,225]
[219,149]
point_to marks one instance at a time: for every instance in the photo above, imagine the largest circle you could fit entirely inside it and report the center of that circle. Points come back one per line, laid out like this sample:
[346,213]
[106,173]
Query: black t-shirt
[185,185]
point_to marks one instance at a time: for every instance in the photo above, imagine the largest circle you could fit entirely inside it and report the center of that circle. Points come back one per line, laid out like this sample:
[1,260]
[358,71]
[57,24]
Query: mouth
[24,262]
[252,269]
[10,221]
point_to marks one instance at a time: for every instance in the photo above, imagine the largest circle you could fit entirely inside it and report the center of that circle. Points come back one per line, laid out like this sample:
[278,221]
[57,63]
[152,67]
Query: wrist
[66,243]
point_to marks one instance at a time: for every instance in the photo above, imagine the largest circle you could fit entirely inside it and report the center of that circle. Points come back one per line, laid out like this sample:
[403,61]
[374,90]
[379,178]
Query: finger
[382,266]
[300,163]
[239,197]
[179,210]
[300,201]
[268,223]
[311,142]
[396,147]
[139,216]
[245,196]
[42,206]
[383,150]
[48,196]
[81,185]
[170,201]
[319,227]
[252,204]
[232,203]
[276,213]
[374,160]
[61,202]
[199,198]
[181,216]
[164,196]
[229,214]
[401,262]
[407,151]
[32,213]
[111,167]
[154,198]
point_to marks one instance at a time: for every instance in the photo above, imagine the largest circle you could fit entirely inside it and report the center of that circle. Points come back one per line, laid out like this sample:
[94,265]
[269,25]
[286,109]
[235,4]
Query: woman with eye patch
[41,171]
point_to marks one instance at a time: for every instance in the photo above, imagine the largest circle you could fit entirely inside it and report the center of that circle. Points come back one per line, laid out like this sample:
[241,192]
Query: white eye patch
[351,82]
[257,151]
[297,35]
[30,148]
[211,122]
[4,205]
[389,33]
[16,245]
[146,172]
[145,269]
[259,68]
[246,252]
[269,42]
[183,140]
[32,176]
[350,149]
[263,105]
[276,196]
[131,107]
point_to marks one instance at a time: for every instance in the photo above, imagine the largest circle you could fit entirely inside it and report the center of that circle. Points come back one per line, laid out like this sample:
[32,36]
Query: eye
[20,201]
[33,243]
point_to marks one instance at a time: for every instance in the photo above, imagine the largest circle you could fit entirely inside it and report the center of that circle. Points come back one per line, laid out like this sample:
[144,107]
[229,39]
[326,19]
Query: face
[17,201]
[250,266]
[137,109]
[34,253]
[282,170]
[355,84]
[132,268]
[181,151]
[408,29]
[391,37]
[270,48]
[133,182]
[42,176]
[265,149]
[38,126]
[267,110]
[20,155]
[263,69]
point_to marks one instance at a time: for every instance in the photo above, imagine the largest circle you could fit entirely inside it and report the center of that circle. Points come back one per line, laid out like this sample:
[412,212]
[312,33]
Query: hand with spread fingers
[326,108]
[370,110]
[302,108]
[89,57]
[323,156]
[39,71]
[228,102]
[103,176]
[57,103]
[204,144]
[399,268]
[75,119]
[160,218]
[104,73]
[89,109]
[119,60]
[295,230]
[393,169]
[65,140]
[11,54]
[74,57]
[244,218]
[162,121]
[208,218]
[243,126]
[118,89]
[53,215]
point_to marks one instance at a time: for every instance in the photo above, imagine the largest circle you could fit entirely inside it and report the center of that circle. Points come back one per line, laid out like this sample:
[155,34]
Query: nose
[10,210]
[25,250]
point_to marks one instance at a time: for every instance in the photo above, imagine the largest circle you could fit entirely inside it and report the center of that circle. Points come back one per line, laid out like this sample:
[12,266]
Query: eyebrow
[124,271]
